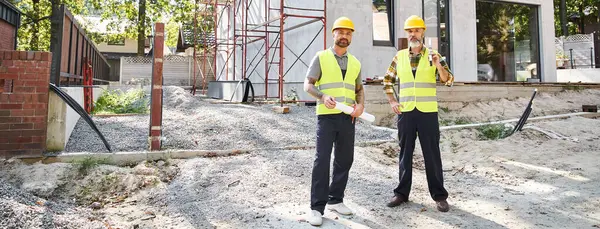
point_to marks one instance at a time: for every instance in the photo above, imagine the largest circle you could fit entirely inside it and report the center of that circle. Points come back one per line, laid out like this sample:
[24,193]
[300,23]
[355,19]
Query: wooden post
[157,83]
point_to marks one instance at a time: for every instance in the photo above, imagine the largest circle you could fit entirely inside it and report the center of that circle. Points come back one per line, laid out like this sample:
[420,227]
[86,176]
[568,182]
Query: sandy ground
[546,176]
[527,180]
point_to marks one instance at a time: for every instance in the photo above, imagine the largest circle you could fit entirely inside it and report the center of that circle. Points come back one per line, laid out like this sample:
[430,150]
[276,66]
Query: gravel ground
[21,209]
[193,122]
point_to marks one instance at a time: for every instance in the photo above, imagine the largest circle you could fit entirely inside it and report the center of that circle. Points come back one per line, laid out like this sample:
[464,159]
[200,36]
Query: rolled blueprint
[348,110]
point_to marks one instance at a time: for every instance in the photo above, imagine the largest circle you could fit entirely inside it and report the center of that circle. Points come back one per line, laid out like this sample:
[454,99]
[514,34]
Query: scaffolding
[227,15]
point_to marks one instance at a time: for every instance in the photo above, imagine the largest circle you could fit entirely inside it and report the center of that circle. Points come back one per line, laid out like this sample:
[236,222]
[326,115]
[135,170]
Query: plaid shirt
[390,76]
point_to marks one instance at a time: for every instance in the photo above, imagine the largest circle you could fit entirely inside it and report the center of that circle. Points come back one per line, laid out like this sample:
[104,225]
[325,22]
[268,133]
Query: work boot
[340,208]
[396,201]
[442,205]
[315,218]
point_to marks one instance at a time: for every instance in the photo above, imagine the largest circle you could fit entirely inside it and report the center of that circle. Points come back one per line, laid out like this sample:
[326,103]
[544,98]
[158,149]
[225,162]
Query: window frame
[391,26]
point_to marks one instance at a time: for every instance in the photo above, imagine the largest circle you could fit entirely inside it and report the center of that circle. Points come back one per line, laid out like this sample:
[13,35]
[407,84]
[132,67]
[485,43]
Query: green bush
[493,132]
[116,102]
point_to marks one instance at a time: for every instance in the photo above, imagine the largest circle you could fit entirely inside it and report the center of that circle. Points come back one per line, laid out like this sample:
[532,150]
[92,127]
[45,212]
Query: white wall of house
[130,46]
[463,25]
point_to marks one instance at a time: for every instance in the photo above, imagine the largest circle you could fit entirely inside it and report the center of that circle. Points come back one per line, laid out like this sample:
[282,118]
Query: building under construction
[271,42]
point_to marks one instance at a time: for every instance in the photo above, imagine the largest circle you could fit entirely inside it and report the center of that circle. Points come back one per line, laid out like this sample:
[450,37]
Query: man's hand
[328,101]
[436,60]
[358,110]
[396,107]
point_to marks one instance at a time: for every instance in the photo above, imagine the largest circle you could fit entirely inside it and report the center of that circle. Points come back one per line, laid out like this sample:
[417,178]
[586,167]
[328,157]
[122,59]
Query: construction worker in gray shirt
[334,77]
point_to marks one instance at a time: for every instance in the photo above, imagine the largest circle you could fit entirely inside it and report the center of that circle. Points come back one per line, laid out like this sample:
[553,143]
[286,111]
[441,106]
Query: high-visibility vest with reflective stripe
[420,91]
[331,82]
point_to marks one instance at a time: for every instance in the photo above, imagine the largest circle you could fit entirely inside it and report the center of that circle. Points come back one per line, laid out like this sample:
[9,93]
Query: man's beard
[344,44]
[415,44]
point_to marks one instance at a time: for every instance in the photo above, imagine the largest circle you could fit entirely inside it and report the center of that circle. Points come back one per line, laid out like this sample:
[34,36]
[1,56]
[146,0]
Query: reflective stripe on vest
[420,91]
[331,82]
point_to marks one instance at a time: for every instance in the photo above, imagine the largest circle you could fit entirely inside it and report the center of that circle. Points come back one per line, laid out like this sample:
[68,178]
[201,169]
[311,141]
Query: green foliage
[493,132]
[84,165]
[117,102]
[576,8]
[34,33]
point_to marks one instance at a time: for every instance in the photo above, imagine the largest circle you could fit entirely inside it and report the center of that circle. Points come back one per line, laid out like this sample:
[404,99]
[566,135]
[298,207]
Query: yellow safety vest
[331,82]
[420,91]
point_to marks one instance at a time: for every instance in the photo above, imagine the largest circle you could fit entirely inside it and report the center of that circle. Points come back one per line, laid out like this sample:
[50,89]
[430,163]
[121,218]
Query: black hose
[525,115]
[249,88]
[77,108]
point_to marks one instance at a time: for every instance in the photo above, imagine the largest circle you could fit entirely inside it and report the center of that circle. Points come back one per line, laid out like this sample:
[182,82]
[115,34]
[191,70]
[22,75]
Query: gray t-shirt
[314,70]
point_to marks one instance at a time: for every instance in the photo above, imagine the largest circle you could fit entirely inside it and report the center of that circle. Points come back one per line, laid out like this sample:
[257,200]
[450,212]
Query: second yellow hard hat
[414,22]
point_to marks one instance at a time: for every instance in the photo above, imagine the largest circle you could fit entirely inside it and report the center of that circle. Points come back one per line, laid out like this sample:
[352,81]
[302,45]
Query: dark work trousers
[338,130]
[427,126]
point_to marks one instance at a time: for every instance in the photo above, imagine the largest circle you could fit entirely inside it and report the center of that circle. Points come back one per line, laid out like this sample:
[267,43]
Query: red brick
[34,119]
[24,89]
[11,119]
[35,139]
[30,55]
[9,133]
[37,56]
[18,98]
[23,55]
[32,146]
[33,132]
[4,113]
[29,76]
[15,55]
[41,112]
[24,139]
[7,55]
[3,69]
[4,98]
[13,76]
[10,146]
[4,126]
[8,63]
[16,69]
[22,126]
[22,113]
[1,55]
[11,106]
[35,106]
[42,90]
[46,56]
[42,98]
[40,126]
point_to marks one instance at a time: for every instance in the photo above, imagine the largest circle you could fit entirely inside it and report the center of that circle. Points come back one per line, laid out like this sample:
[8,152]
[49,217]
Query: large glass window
[383,22]
[444,29]
[507,41]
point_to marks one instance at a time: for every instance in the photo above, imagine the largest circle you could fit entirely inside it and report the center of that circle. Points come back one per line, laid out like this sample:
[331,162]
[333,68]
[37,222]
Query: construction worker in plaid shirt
[417,111]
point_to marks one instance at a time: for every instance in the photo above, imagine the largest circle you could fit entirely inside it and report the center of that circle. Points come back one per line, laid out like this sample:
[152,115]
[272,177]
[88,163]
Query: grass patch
[445,109]
[134,101]
[572,88]
[493,132]
[84,165]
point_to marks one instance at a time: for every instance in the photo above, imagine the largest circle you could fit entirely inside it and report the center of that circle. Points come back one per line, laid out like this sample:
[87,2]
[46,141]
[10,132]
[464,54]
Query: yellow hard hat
[343,23]
[414,22]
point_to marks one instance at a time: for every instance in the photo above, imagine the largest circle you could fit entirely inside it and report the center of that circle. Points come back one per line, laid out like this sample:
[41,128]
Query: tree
[579,13]
[34,34]
[135,19]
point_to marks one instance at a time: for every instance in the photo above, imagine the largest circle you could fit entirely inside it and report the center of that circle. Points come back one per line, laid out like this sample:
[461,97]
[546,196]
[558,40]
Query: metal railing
[70,45]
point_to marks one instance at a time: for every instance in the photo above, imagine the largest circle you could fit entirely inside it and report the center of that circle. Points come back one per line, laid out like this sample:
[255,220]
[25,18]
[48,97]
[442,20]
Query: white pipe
[516,120]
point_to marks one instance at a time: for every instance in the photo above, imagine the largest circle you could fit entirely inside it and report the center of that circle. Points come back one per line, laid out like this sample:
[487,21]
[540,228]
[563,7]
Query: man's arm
[312,76]
[444,72]
[388,81]
[359,89]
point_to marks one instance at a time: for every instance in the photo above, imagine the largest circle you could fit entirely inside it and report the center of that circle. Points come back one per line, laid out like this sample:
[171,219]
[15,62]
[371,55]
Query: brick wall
[7,36]
[24,77]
